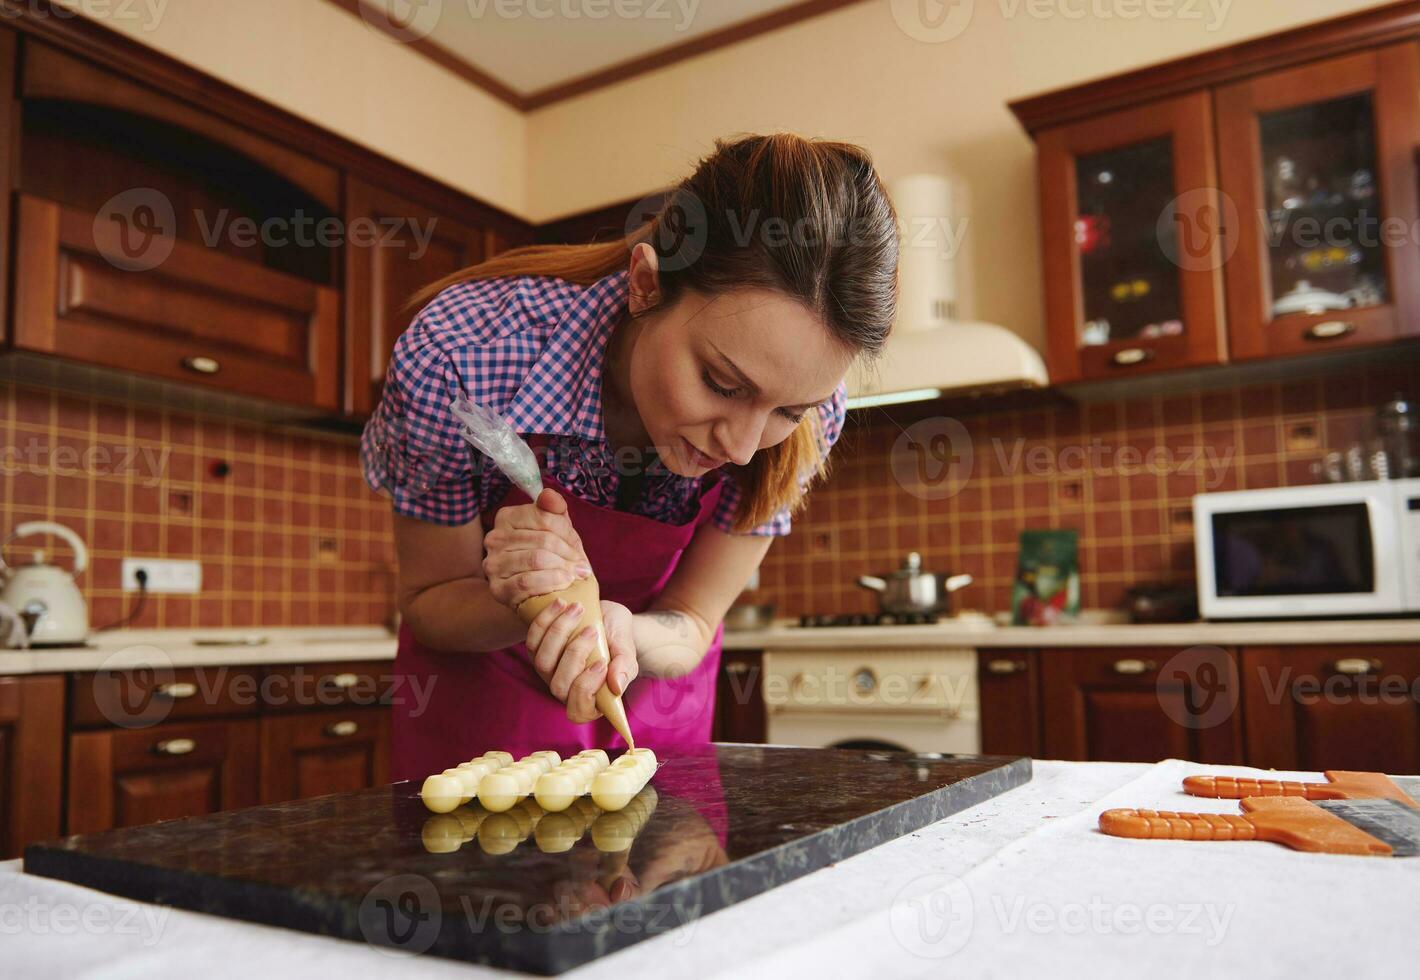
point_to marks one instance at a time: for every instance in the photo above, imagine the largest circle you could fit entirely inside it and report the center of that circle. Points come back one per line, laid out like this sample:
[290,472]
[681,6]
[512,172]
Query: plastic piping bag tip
[490,434]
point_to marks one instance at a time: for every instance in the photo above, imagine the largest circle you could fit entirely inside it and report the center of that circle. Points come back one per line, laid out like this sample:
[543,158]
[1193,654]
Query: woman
[685,385]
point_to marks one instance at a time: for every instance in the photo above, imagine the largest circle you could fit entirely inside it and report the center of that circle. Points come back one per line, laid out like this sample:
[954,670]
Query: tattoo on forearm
[672,621]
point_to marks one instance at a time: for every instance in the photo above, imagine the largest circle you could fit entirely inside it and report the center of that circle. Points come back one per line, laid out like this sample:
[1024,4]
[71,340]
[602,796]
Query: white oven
[919,700]
[1334,549]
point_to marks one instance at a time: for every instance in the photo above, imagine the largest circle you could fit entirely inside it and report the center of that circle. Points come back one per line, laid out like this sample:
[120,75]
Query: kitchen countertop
[1020,885]
[206,648]
[317,644]
[787,635]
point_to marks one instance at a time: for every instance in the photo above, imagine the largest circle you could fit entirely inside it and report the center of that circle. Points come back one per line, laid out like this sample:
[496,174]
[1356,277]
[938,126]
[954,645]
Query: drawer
[934,681]
[316,753]
[127,778]
[142,697]
[361,683]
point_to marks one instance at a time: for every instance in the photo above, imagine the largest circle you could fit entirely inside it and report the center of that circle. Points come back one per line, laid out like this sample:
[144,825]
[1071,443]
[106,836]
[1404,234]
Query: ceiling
[535,48]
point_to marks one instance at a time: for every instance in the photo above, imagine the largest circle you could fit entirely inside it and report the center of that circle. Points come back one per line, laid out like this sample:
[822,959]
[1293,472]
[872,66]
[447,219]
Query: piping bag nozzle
[490,434]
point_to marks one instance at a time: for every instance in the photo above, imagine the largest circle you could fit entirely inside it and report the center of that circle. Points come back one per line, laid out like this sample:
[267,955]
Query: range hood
[930,352]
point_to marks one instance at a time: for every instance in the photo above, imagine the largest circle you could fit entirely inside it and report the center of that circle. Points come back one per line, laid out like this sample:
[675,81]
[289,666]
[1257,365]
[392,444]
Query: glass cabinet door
[1318,162]
[1131,241]
[1128,284]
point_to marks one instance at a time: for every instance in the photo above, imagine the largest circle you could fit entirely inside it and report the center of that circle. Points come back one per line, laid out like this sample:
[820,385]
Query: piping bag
[487,432]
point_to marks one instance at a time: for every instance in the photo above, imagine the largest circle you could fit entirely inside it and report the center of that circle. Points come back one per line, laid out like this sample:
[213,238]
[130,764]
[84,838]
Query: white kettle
[45,595]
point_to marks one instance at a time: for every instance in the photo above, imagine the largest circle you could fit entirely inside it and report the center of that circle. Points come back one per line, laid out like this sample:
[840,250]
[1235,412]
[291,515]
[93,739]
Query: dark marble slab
[528,891]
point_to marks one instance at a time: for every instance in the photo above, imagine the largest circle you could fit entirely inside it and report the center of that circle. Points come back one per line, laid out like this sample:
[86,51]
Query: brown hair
[807,218]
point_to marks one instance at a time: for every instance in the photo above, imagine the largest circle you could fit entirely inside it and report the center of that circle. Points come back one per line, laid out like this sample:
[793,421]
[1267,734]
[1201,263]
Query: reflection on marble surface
[554,833]
[537,891]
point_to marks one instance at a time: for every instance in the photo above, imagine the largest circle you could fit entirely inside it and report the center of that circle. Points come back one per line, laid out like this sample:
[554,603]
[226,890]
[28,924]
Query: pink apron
[481,701]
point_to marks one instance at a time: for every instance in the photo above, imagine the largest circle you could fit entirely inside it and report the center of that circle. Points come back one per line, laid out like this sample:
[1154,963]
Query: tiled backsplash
[290,535]
[1120,472]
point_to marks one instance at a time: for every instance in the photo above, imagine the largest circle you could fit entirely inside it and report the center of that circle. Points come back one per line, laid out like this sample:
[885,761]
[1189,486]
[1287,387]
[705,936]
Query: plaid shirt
[532,349]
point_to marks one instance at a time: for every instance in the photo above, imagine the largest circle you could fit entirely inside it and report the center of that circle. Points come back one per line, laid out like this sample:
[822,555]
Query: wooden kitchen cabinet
[1130,243]
[206,319]
[1133,705]
[316,753]
[31,761]
[9,132]
[381,276]
[1333,707]
[149,745]
[153,237]
[1293,160]
[166,225]
[1009,688]
[1319,162]
[739,697]
[126,777]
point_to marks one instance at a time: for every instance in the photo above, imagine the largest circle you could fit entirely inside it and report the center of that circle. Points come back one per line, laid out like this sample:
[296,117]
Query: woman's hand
[532,550]
[560,653]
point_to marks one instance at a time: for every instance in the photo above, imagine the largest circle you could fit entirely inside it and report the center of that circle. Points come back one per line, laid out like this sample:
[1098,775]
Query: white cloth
[1022,885]
[1068,901]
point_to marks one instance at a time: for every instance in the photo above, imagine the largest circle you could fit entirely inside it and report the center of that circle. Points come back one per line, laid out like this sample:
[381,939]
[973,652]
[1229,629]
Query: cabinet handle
[176,690]
[1328,330]
[1002,666]
[340,729]
[737,667]
[201,365]
[344,681]
[1356,665]
[175,746]
[1131,356]
[1133,666]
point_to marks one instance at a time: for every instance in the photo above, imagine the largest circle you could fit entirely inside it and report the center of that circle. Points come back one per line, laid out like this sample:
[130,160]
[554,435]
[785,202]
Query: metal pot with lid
[911,590]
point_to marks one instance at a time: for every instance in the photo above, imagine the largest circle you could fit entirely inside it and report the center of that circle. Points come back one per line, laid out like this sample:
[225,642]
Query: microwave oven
[1335,549]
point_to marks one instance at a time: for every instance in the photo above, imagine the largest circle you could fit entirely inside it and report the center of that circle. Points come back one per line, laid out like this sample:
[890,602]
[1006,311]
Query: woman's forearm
[669,643]
[462,615]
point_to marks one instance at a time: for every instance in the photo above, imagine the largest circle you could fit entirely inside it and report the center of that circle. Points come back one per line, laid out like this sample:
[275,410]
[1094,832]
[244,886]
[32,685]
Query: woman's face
[715,379]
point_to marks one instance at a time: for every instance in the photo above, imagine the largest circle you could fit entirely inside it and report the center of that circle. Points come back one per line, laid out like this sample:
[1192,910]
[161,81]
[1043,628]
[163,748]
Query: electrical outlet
[164,575]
